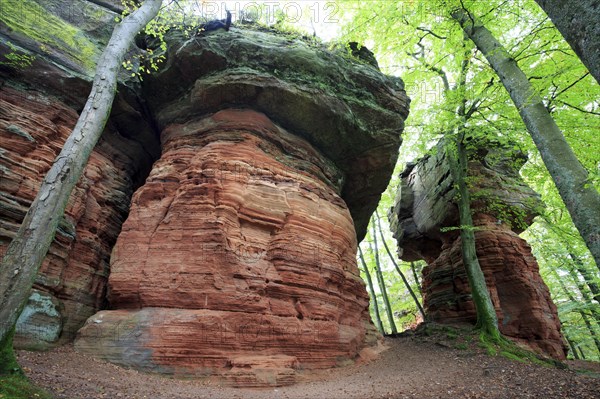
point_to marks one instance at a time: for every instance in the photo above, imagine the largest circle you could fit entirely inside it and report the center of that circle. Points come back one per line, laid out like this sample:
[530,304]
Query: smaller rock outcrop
[503,206]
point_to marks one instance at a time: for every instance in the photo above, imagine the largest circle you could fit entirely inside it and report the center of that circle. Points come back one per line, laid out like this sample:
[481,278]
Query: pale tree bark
[402,276]
[27,250]
[584,316]
[413,268]
[579,23]
[571,178]
[386,298]
[587,277]
[584,293]
[487,320]
[371,291]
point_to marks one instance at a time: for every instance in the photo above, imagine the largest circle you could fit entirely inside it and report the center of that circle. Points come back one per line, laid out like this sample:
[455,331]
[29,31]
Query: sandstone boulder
[40,324]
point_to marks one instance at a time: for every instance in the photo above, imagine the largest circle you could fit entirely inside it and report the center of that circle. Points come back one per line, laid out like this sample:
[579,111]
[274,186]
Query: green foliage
[462,227]
[404,309]
[8,362]
[149,60]
[510,350]
[16,58]
[419,42]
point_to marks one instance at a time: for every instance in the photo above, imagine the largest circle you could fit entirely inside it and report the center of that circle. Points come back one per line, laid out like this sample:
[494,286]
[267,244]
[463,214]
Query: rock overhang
[348,110]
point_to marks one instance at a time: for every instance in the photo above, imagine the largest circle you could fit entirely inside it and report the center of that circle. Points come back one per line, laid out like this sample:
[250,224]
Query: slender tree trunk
[577,21]
[571,178]
[408,287]
[581,354]
[371,291]
[27,250]
[487,319]
[583,315]
[590,327]
[416,277]
[573,347]
[587,277]
[386,299]
[584,294]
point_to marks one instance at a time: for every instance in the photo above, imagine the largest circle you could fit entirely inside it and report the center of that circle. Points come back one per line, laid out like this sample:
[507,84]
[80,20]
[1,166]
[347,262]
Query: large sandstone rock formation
[38,108]
[503,206]
[238,255]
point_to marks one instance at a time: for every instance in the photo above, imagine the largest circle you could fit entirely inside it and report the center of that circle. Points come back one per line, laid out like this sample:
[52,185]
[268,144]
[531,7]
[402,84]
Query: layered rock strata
[502,207]
[33,127]
[235,248]
[238,255]
[44,83]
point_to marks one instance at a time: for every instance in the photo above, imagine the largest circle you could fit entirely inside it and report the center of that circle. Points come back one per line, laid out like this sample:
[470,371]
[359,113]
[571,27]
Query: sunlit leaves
[419,42]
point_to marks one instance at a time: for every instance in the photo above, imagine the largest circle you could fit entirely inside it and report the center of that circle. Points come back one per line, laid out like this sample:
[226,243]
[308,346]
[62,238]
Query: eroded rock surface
[502,207]
[39,104]
[240,237]
[274,154]
[33,127]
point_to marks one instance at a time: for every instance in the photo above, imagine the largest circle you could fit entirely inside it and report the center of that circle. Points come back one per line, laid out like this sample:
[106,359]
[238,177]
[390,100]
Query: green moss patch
[33,21]
[19,387]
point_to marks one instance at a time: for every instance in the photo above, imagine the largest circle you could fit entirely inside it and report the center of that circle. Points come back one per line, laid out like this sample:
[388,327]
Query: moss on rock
[51,33]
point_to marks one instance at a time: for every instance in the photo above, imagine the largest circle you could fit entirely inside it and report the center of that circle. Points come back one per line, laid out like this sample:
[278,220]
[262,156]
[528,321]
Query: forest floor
[424,366]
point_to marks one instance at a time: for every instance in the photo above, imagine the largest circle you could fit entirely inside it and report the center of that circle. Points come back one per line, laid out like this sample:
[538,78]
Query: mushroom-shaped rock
[503,206]
[345,108]
[238,255]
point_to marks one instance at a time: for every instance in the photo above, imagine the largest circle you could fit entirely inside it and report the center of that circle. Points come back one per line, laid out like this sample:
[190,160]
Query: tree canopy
[420,42]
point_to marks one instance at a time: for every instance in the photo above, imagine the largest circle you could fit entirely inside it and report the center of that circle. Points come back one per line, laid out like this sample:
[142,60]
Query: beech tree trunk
[571,178]
[587,277]
[487,320]
[416,277]
[371,291]
[386,299]
[404,280]
[572,346]
[579,23]
[581,312]
[27,250]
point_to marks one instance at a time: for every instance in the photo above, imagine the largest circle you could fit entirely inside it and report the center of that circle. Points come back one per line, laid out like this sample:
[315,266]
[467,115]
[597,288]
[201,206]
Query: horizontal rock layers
[237,249]
[33,127]
[275,151]
[48,52]
[237,259]
[502,207]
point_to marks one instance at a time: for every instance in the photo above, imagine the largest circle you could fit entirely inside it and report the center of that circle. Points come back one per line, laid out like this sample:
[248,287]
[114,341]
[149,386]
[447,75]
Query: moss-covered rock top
[70,34]
[344,107]
[425,205]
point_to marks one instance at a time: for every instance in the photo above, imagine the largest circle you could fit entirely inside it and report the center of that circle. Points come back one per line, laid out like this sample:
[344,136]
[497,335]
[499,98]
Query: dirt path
[410,368]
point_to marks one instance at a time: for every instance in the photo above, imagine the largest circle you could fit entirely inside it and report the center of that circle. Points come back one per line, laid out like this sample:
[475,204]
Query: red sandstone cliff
[238,255]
